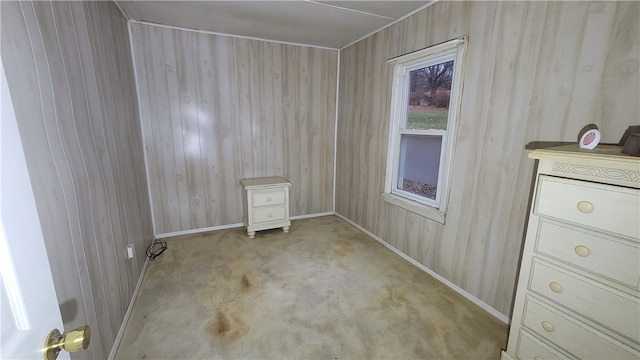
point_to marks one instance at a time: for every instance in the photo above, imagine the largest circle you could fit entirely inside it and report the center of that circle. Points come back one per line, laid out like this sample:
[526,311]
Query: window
[425,102]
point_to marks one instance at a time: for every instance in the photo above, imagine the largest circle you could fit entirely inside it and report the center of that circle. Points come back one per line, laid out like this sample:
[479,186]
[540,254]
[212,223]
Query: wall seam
[335,133]
[142,130]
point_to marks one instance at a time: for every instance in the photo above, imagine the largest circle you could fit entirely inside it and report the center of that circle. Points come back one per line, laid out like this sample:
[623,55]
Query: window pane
[419,164]
[429,93]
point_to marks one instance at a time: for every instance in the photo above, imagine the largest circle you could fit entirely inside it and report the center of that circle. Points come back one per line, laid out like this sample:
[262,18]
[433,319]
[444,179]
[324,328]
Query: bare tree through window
[425,99]
[428,108]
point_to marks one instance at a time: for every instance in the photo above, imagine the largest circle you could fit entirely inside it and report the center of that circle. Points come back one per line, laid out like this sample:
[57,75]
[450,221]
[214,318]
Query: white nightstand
[266,204]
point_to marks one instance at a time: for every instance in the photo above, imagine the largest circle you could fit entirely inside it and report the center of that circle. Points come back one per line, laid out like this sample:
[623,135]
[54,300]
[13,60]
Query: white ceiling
[332,24]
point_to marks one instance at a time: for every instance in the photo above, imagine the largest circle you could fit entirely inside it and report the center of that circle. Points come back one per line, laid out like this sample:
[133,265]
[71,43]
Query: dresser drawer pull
[583,251]
[547,326]
[555,287]
[269,199]
[585,207]
[269,215]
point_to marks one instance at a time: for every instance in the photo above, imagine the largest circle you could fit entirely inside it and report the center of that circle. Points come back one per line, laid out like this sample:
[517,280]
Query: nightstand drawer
[268,197]
[588,298]
[607,207]
[579,340]
[267,214]
[591,251]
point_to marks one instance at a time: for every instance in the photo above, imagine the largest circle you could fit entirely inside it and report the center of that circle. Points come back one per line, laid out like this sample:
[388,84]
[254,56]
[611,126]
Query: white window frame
[403,65]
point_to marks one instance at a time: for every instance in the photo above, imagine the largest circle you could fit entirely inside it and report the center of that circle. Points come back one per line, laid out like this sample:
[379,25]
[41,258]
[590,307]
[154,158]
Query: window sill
[415,207]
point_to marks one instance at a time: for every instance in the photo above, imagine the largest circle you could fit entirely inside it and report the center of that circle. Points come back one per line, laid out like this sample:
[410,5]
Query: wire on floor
[156,248]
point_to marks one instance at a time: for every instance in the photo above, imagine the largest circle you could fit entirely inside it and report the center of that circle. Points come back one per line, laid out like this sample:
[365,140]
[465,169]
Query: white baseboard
[498,315]
[200,230]
[307,216]
[232,226]
[127,315]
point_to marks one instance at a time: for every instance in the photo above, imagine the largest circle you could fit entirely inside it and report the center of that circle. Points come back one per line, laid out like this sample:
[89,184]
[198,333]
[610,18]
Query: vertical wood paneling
[71,79]
[620,76]
[533,71]
[217,109]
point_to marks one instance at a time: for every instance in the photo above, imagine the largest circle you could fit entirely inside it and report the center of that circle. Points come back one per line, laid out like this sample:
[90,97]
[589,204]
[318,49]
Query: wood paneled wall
[70,75]
[533,71]
[217,109]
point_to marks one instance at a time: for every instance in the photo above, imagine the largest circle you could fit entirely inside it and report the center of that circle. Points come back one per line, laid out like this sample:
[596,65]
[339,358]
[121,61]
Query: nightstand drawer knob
[583,251]
[555,287]
[269,215]
[269,199]
[585,207]
[547,326]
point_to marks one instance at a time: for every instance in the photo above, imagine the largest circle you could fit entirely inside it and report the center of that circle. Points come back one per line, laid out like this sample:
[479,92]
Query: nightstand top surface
[264,182]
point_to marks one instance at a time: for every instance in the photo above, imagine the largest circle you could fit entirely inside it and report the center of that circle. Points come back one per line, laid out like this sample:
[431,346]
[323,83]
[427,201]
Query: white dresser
[578,293]
[266,204]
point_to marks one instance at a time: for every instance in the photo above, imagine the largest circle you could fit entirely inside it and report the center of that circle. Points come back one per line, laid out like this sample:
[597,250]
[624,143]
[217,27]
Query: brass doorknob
[72,341]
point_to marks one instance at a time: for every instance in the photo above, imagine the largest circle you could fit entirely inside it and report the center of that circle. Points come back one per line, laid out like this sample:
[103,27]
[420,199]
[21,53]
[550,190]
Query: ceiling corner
[128,9]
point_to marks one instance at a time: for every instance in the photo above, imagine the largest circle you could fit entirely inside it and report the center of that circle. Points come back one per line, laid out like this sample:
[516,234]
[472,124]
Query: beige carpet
[323,291]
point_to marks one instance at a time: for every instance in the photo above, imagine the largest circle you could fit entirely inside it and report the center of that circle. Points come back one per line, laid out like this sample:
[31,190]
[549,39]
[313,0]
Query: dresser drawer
[268,197]
[267,214]
[579,340]
[531,349]
[588,298]
[591,251]
[607,207]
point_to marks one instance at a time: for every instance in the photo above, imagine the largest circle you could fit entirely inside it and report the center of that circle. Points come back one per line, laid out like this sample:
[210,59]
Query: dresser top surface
[604,164]
[264,182]
[609,152]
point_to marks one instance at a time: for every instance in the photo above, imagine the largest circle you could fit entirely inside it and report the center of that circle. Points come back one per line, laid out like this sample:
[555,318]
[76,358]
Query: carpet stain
[222,323]
[228,327]
[245,283]
[394,298]
[343,249]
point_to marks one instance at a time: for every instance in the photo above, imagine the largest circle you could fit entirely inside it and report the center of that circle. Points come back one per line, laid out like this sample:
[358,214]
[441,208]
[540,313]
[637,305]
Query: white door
[27,296]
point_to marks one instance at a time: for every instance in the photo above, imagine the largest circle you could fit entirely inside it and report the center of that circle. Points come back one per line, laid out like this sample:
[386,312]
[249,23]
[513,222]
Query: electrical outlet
[131,252]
